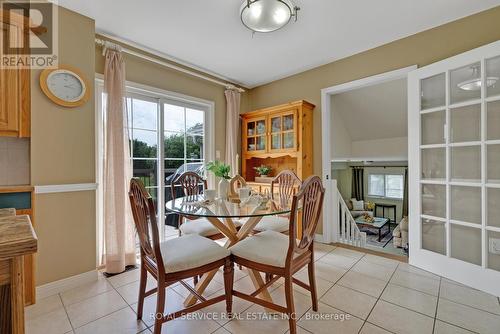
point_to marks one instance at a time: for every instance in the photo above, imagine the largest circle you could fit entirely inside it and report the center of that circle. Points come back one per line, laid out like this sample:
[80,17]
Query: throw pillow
[358,205]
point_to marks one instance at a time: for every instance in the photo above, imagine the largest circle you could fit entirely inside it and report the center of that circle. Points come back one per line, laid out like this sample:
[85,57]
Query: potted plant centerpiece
[264,174]
[221,170]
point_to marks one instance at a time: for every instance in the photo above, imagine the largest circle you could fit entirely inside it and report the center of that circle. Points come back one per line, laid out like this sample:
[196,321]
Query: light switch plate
[495,246]
[217,154]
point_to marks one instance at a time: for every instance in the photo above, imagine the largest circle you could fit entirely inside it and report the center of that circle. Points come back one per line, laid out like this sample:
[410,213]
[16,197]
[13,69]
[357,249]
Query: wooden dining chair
[284,185]
[283,255]
[174,260]
[191,184]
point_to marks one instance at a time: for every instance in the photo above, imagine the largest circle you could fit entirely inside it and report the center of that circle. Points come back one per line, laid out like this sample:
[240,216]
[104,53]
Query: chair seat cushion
[201,227]
[273,223]
[190,251]
[268,247]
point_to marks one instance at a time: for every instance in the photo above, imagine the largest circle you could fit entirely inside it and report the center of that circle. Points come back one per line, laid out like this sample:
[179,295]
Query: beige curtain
[119,232]
[232,126]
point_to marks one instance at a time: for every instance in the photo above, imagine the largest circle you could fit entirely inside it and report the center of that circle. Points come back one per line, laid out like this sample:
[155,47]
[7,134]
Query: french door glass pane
[173,118]
[493,208]
[466,204]
[465,83]
[466,163]
[493,249]
[493,76]
[194,121]
[147,171]
[434,200]
[432,131]
[465,123]
[174,145]
[493,164]
[288,139]
[276,141]
[434,236]
[194,147]
[466,243]
[145,143]
[493,117]
[433,92]
[145,114]
[433,163]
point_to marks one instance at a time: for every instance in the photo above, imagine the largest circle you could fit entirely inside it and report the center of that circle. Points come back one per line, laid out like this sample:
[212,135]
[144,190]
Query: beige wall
[421,49]
[62,152]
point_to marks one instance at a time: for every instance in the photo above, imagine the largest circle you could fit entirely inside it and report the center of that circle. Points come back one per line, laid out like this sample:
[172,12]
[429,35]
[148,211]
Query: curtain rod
[106,44]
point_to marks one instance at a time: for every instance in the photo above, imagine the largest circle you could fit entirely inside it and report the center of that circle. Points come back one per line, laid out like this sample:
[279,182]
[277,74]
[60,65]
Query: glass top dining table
[197,206]
[221,214]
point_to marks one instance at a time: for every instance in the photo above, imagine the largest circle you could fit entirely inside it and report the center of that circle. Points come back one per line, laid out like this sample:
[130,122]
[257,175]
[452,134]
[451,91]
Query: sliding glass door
[454,138]
[169,134]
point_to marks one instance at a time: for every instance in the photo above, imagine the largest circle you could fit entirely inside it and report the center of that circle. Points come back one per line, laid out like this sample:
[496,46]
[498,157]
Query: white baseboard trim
[318,238]
[64,188]
[65,284]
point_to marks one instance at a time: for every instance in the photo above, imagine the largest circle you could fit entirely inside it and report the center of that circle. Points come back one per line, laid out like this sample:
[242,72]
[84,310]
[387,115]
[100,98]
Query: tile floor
[359,293]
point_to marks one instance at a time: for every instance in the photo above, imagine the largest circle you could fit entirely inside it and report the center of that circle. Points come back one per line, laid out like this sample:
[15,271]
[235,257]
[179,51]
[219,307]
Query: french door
[454,159]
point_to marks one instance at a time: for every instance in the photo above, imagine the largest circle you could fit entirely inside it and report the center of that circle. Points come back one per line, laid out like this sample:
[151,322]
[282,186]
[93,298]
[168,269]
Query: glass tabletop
[377,221]
[254,207]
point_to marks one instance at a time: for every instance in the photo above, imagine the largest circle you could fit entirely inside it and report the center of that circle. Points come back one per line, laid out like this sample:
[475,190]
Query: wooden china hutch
[279,137]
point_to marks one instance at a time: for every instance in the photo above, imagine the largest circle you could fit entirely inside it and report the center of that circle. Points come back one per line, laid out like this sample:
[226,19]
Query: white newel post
[335,211]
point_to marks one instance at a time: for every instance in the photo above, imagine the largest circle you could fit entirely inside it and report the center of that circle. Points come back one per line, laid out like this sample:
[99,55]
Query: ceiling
[210,36]
[374,112]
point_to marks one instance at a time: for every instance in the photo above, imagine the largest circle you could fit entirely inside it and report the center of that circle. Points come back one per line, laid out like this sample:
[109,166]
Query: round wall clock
[65,86]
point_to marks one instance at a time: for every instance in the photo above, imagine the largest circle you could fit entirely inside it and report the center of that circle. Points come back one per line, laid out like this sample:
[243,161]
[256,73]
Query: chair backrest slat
[190,183]
[286,181]
[306,204]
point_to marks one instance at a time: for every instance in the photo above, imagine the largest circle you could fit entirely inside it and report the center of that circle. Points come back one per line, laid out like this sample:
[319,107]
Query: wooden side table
[385,206]
[17,239]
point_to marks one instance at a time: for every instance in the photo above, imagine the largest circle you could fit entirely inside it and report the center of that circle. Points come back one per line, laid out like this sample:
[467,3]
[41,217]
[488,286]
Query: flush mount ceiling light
[267,15]
[475,83]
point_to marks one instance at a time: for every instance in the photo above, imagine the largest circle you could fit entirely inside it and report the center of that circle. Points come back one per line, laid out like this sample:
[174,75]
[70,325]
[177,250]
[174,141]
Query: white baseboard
[65,284]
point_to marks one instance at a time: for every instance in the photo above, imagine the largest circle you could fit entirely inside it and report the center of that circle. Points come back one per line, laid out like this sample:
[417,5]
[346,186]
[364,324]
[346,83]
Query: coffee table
[378,223]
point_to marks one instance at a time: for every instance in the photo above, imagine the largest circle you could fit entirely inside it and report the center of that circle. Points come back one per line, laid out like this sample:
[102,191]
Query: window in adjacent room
[386,185]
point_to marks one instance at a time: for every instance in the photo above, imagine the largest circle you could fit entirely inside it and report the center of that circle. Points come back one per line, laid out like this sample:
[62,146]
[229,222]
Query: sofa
[357,213]
[400,234]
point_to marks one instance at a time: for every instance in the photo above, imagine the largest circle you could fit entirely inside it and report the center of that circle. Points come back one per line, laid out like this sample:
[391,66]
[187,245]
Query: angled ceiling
[209,34]
[374,112]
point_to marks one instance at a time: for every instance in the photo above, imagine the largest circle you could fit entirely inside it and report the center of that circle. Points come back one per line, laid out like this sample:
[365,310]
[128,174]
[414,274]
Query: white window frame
[385,183]
[163,96]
